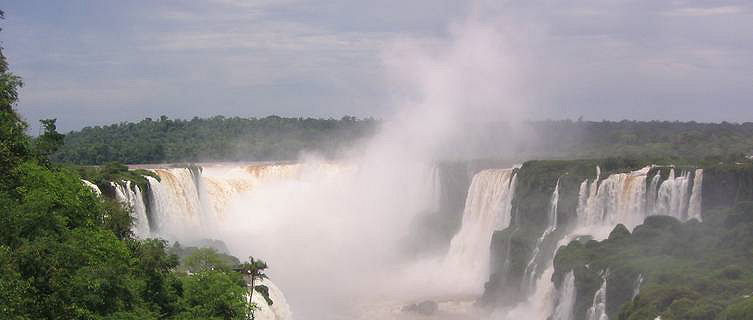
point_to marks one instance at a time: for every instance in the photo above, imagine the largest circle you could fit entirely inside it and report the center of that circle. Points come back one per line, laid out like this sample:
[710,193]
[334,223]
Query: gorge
[501,255]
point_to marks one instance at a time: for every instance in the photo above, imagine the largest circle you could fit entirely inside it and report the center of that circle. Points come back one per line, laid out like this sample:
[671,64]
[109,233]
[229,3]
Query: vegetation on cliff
[692,270]
[511,248]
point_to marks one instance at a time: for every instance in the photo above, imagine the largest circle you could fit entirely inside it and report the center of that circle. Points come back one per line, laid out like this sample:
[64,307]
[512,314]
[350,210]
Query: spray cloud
[332,235]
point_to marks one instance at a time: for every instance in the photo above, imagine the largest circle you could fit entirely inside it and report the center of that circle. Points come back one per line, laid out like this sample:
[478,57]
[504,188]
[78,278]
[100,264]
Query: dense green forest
[687,271]
[658,141]
[66,253]
[275,138]
[217,138]
[676,270]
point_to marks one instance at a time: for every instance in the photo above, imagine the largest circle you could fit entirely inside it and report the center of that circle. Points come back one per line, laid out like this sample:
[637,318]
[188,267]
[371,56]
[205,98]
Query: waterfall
[638,283]
[435,198]
[279,310]
[529,278]
[566,300]
[598,310]
[673,196]
[694,208]
[620,198]
[487,208]
[222,184]
[92,186]
[624,198]
[176,207]
[130,194]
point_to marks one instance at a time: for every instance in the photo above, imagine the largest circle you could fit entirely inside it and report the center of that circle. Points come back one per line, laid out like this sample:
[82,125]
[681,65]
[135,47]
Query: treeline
[657,141]
[675,142]
[213,139]
[276,138]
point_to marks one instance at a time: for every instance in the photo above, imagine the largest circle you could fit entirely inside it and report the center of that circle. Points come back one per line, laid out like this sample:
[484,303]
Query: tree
[253,271]
[14,144]
[213,295]
[50,141]
[67,253]
[206,259]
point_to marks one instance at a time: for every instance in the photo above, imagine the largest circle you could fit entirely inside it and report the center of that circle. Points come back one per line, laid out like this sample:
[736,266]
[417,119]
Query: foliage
[217,138]
[277,138]
[196,260]
[253,270]
[659,141]
[50,141]
[691,270]
[212,294]
[66,253]
[113,171]
[535,184]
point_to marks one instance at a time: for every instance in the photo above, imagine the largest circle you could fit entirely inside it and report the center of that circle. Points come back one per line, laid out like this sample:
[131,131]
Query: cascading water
[566,300]
[624,198]
[529,278]
[598,310]
[176,207]
[638,283]
[187,206]
[672,198]
[130,194]
[487,208]
[694,209]
[602,204]
[92,186]
[220,185]
[620,198]
[279,310]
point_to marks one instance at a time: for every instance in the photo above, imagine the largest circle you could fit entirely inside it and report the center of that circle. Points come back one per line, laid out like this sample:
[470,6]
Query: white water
[297,217]
[188,207]
[92,186]
[694,209]
[176,207]
[279,310]
[598,310]
[638,283]
[487,208]
[673,196]
[620,198]
[250,205]
[566,300]
[529,277]
[602,204]
[130,194]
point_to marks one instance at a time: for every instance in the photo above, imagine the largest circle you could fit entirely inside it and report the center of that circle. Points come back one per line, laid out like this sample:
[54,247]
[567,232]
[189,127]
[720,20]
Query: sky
[99,62]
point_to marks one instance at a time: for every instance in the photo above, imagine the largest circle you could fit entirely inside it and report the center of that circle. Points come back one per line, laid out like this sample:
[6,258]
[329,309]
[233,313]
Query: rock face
[666,265]
[618,195]
[511,248]
[724,185]
[427,308]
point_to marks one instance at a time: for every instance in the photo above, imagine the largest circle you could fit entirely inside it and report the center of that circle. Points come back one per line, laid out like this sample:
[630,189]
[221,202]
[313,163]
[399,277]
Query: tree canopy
[67,253]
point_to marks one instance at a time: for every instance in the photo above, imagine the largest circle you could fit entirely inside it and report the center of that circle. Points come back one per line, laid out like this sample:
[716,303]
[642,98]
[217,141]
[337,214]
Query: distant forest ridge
[212,139]
[279,138]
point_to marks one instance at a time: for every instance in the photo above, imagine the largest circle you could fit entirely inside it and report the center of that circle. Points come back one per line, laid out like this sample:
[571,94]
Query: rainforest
[272,161]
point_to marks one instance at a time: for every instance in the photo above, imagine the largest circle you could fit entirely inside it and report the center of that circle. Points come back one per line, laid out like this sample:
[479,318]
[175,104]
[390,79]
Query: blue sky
[100,62]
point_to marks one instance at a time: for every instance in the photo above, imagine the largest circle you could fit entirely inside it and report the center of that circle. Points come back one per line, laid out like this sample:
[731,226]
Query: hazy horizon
[95,63]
